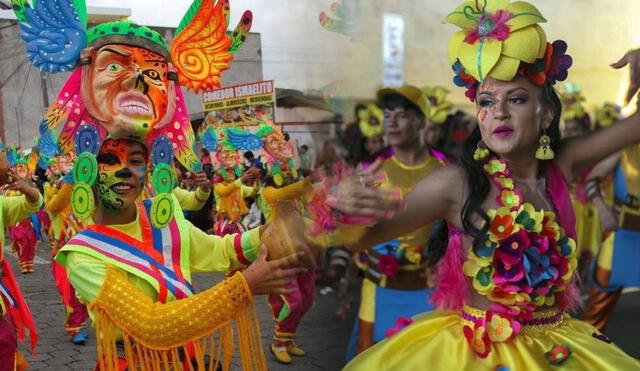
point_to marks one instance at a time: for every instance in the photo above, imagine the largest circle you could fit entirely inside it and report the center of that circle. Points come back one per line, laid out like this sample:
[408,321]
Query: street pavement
[321,333]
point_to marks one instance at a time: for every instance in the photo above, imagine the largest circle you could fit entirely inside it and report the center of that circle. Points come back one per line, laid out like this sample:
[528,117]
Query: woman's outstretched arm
[437,196]
[580,153]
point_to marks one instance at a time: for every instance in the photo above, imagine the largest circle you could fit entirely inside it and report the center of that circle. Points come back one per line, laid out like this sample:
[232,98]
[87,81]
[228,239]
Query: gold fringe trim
[218,348]
[116,338]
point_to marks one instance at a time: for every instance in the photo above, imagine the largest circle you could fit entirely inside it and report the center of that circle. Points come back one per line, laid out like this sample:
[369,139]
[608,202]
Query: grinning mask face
[121,173]
[22,170]
[127,89]
[228,158]
[65,163]
[277,147]
[54,169]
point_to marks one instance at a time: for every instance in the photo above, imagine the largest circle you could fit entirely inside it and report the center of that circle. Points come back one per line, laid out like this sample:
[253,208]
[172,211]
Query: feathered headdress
[502,39]
[57,40]
[17,157]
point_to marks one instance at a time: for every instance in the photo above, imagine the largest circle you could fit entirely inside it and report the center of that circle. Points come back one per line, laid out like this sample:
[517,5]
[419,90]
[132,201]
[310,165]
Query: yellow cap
[412,93]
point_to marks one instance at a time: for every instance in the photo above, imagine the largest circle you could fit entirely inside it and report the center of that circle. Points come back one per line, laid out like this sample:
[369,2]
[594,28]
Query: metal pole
[43,85]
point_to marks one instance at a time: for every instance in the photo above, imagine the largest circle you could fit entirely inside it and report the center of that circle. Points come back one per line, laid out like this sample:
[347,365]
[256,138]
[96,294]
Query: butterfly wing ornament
[200,49]
[54,32]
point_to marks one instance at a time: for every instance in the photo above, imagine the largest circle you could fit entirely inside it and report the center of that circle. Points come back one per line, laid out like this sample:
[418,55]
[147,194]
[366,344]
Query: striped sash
[6,293]
[156,258]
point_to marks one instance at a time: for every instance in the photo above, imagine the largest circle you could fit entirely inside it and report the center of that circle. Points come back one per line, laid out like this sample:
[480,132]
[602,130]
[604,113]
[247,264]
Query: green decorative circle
[82,200]
[161,210]
[162,179]
[85,169]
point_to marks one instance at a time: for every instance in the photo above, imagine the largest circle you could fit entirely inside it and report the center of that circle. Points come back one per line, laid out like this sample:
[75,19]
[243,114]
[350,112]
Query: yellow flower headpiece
[574,111]
[497,39]
[370,121]
[439,107]
[572,102]
[607,114]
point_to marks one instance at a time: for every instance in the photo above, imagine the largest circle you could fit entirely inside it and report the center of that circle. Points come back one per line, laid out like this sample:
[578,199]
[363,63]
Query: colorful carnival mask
[226,156]
[276,151]
[501,39]
[23,164]
[65,162]
[125,85]
[127,88]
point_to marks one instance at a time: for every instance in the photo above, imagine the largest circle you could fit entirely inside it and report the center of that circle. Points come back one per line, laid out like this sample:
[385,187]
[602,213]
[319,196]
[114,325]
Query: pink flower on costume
[388,265]
[401,323]
[491,26]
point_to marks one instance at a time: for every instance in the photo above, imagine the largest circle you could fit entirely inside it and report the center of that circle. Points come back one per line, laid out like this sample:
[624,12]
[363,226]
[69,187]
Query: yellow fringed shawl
[155,336]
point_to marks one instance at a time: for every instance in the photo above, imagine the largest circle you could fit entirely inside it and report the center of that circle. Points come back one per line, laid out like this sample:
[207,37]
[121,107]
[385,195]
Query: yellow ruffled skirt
[435,341]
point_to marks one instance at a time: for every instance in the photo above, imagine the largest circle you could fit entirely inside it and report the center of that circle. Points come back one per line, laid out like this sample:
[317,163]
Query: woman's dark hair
[479,184]
[395,100]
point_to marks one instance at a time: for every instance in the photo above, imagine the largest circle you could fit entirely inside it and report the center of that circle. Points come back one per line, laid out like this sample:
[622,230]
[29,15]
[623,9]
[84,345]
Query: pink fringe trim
[451,288]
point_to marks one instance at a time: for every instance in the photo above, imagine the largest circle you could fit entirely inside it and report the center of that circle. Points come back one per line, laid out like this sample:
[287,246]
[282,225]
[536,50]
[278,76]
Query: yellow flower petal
[454,44]
[523,44]
[470,268]
[543,41]
[439,117]
[494,5]
[480,57]
[505,69]
[440,93]
[525,14]
[458,17]
[499,329]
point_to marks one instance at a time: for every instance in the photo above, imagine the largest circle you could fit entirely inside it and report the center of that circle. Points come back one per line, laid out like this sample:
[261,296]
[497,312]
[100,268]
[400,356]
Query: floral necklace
[522,261]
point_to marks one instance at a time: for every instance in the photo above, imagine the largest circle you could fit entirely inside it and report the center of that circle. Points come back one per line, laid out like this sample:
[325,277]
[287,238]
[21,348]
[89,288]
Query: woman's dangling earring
[544,152]
[481,151]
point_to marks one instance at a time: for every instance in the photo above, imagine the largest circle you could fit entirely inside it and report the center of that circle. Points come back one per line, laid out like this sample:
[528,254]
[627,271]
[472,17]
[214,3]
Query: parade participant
[370,123]
[396,284]
[437,114]
[124,113]
[281,186]
[507,277]
[352,138]
[15,316]
[233,183]
[584,189]
[616,262]
[304,158]
[64,225]
[23,234]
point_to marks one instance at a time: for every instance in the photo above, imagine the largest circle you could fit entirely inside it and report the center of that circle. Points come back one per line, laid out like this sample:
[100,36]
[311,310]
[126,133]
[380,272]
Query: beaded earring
[544,152]
[481,151]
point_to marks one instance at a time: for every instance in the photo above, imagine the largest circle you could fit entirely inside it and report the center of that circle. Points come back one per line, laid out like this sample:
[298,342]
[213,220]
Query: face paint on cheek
[107,178]
[482,116]
[142,174]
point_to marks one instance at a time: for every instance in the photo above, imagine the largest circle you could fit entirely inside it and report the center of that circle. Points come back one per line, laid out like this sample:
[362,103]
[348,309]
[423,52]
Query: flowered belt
[542,320]
[482,328]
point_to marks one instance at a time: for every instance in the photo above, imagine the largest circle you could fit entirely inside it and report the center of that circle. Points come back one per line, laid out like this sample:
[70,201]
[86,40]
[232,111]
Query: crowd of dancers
[470,237]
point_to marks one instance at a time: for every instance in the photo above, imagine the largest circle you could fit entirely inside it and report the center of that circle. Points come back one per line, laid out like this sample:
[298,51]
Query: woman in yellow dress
[506,278]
